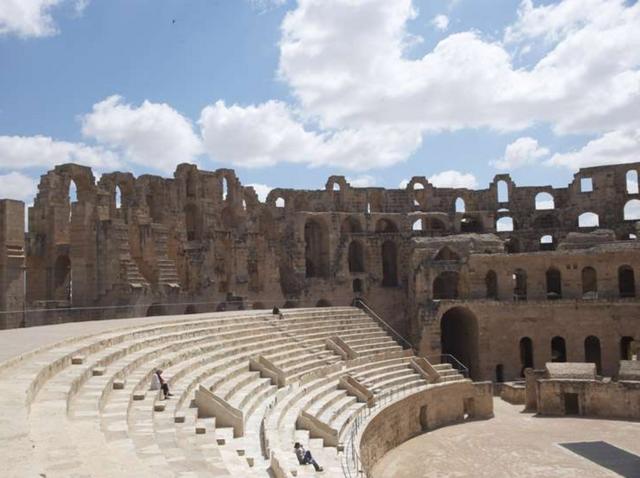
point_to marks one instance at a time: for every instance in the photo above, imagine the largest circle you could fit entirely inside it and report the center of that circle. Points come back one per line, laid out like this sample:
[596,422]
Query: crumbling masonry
[503,278]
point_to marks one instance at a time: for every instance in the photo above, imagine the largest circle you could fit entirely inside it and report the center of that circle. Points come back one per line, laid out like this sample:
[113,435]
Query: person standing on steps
[304,457]
[157,383]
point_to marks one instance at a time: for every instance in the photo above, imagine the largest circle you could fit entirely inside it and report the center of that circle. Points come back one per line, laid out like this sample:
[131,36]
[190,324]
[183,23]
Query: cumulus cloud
[22,152]
[269,133]
[440,22]
[262,190]
[453,179]
[522,152]
[611,148]
[153,134]
[363,181]
[31,18]
[15,185]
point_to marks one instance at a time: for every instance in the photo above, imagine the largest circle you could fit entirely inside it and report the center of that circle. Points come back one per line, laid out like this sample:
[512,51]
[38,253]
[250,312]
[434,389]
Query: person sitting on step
[157,383]
[304,457]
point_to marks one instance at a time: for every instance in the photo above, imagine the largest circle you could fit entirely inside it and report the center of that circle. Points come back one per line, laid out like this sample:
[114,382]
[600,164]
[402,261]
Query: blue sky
[290,92]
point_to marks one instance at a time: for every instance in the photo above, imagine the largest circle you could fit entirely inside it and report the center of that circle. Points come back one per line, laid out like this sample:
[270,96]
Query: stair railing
[452,360]
[360,303]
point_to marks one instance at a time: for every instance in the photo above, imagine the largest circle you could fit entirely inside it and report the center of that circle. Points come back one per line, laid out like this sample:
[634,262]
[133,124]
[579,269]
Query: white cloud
[522,152]
[31,18]
[611,148]
[440,22]
[262,190]
[363,181]
[264,5]
[403,184]
[453,179]
[269,133]
[22,152]
[15,185]
[153,135]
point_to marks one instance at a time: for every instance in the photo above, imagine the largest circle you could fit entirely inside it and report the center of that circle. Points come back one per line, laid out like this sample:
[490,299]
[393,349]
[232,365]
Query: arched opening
[417,186]
[446,254]
[445,286]
[512,245]
[625,348]
[225,189]
[526,354]
[503,191]
[368,208]
[323,303]
[632,181]
[386,225]
[504,224]
[356,257]
[190,309]
[554,284]
[519,285]
[62,283]
[558,350]
[547,243]
[544,201]
[73,197]
[350,225]
[155,310]
[335,187]
[417,225]
[279,202]
[626,282]
[357,286]
[588,219]
[459,337]
[389,264]
[118,197]
[589,283]
[459,205]
[491,284]
[592,352]
[192,223]
[632,210]
[316,249]
[471,224]
[499,373]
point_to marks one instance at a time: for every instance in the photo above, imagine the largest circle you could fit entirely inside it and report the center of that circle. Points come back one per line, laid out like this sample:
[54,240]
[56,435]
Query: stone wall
[435,407]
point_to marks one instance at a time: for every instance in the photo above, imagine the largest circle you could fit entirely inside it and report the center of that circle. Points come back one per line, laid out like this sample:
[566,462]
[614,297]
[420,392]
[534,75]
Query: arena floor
[511,444]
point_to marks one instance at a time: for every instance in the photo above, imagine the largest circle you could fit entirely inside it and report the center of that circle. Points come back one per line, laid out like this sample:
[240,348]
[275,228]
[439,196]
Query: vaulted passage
[389,264]
[626,282]
[316,249]
[526,354]
[459,337]
[558,350]
[356,257]
[592,352]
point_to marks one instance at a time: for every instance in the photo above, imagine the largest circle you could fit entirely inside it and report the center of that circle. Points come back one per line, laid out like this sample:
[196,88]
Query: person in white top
[157,383]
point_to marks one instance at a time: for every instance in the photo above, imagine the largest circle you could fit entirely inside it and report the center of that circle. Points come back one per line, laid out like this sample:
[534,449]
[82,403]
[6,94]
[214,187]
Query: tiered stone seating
[87,408]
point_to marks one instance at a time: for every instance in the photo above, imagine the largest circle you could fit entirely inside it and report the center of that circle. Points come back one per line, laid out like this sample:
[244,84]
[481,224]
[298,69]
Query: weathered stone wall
[11,263]
[435,407]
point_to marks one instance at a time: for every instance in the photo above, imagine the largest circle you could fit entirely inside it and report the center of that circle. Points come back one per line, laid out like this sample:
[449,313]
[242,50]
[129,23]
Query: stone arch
[155,310]
[446,254]
[316,240]
[547,243]
[62,278]
[356,286]
[519,285]
[459,337]
[558,349]
[323,303]
[280,202]
[632,210]
[491,285]
[504,224]
[626,281]
[544,201]
[625,348]
[118,197]
[588,219]
[503,191]
[389,264]
[554,283]
[632,181]
[592,353]
[350,225]
[336,183]
[224,185]
[435,225]
[589,283]
[386,225]
[471,224]
[459,205]
[356,256]
[446,286]
[526,354]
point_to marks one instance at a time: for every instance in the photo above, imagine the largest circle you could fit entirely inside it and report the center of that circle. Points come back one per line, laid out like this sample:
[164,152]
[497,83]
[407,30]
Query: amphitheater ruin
[400,312]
